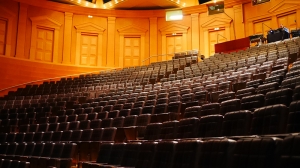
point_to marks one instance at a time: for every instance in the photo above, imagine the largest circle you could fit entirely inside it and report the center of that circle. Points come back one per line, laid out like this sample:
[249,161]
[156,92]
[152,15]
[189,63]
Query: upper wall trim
[132,29]
[174,28]
[90,28]
[46,21]
[216,21]
[284,4]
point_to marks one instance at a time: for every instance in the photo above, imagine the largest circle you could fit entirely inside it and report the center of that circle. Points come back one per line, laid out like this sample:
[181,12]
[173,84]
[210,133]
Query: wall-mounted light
[174,15]
[217,28]
[90,16]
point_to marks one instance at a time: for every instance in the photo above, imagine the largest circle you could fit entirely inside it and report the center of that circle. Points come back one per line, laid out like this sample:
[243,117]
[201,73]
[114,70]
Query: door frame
[131,31]
[139,47]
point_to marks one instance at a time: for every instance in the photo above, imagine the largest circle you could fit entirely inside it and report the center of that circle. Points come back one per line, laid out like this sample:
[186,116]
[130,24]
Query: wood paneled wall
[43,33]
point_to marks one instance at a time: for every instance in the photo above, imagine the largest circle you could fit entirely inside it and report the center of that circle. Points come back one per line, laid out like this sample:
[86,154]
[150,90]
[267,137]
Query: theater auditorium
[149,84]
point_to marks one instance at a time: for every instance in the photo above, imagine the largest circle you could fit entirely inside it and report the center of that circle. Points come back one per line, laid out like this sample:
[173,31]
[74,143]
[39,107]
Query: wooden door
[288,21]
[132,51]
[263,27]
[89,52]
[3,25]
[44,45]
[174,44]
[214,38]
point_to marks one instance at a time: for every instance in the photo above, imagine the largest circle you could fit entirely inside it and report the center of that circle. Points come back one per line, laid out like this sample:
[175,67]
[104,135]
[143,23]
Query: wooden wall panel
[112,26]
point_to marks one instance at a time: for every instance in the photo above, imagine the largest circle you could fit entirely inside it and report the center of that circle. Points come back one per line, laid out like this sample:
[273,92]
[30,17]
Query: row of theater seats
[40,155]
[98,134]
[6,163]
[274,119]
[258,152]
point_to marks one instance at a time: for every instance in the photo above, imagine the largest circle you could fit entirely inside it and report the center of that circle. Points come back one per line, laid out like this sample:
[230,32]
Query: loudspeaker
[203,1]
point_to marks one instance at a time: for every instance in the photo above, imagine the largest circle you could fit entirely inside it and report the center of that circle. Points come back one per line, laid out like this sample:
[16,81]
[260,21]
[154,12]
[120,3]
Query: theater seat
[187,153]
[289,153]
[216,153]
[236,123]
[281,96]
[245,92]
[210,126]
[188,128]
[164,157]
[146,155]
[229,106]
[269,120]
[255,152]
[252,102]
[210,109]
[293,124]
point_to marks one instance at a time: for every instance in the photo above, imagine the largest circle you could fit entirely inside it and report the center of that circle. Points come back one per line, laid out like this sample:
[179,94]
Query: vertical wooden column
[153,40]
[67,38]
[111,27]
[21,36]
[239,27]
[195,31]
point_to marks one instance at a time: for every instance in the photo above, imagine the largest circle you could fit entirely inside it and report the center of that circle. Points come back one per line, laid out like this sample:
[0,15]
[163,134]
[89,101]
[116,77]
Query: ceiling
[132,4]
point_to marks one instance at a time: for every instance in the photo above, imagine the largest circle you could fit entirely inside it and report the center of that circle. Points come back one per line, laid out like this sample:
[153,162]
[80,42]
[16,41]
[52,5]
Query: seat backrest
[229,106]
[193,111]
[131,153]
[281,96]
[293,124]
[210,126]
[226,96]
[95,123]
[97,134]
[269,120]
[152,131]
[237,123]
[56,137]
[130,121]
[164,156]
[143,120]
[108,134]
[148,109]
[216,153]
[245,92]
[104,153]
[188,128]
[116,154]
[187,153]
[86,135]
[255,152]
[47,136]
[289,153]
[146,154]
[118,122]
[66,135]
[252,102]
[76,135]
[210,109]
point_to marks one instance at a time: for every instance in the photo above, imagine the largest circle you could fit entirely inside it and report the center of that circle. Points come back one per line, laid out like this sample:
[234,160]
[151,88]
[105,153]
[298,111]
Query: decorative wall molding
[284,5]
[217,22]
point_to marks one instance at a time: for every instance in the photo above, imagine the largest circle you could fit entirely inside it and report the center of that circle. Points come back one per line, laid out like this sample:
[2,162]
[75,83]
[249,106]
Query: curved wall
[42,33]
